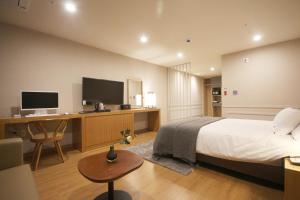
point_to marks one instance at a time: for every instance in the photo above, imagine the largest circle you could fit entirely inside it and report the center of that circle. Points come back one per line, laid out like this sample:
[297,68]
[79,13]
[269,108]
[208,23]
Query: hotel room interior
[150,99]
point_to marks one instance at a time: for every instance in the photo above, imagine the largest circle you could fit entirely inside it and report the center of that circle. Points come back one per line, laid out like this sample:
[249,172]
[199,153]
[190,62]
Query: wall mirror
[135,93]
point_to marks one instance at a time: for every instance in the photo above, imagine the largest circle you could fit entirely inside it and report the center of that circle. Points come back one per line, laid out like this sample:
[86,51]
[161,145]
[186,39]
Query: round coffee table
[97,169]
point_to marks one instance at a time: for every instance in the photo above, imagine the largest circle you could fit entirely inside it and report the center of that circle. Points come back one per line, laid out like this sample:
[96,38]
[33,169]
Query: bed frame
[274,174]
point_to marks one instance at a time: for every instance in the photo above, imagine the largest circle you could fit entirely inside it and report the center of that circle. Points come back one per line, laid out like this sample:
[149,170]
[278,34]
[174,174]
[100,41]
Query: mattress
[245,140]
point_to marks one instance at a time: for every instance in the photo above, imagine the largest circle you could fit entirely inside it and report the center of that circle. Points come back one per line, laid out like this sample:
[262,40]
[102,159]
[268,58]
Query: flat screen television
[104,91]
[39,100]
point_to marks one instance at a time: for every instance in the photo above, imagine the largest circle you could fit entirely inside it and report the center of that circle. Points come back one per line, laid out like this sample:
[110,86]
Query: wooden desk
[91,130]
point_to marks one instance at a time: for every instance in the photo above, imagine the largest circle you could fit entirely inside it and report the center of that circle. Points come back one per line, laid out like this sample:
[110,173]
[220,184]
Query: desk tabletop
[8,120]
[97,169]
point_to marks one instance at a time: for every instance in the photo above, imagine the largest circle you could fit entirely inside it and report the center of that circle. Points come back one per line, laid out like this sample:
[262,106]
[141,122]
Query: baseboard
[140,131]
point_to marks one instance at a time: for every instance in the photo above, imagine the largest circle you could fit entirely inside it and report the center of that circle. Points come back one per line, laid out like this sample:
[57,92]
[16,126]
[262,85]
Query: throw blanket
[178,139]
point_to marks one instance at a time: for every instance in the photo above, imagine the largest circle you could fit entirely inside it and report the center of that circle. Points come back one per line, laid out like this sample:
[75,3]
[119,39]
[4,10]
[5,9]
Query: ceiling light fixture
[70,7]
[144,39]
[212,69]
[257,37]
[180,55]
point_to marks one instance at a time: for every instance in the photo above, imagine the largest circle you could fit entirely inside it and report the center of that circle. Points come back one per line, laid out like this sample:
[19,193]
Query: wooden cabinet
[100,130]
[291,181]
[121,122]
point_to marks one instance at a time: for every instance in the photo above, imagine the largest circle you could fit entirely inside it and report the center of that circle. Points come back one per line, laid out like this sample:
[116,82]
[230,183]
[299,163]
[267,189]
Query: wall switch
[245,60]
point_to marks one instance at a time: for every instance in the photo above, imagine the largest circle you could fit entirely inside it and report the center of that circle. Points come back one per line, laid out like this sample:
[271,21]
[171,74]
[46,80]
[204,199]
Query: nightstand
[291,180]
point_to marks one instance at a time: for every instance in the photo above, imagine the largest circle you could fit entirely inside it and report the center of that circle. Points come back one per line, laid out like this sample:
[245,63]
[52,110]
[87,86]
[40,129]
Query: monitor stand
[40,112]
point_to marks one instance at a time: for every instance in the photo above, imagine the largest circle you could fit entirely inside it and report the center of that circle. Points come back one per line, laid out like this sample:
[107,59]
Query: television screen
[31,100]
[104,91]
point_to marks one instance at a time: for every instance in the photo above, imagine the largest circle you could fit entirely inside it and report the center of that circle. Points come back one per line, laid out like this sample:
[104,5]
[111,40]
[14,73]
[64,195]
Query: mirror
[135,93]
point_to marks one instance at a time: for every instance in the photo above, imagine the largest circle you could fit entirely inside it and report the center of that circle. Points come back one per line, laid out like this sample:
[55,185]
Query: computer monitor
[39,101]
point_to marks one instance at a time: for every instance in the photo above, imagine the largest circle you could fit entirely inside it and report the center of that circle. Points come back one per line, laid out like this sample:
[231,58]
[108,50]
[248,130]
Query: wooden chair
[41,136]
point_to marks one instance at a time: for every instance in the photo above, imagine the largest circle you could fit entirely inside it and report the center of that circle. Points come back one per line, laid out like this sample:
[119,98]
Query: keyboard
[43,115]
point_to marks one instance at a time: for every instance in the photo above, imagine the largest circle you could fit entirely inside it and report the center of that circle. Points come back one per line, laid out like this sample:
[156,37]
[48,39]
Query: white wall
[267,83]
[31,60]
[35,61]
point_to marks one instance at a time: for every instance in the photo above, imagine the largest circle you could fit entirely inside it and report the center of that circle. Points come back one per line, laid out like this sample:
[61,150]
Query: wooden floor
[151,182]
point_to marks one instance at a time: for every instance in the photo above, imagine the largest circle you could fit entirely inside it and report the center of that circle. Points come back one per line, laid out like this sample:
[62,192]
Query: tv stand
[104,110]
[94,111]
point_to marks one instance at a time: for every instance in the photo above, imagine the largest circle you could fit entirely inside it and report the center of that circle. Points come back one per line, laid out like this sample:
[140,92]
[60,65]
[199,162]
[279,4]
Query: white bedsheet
[245,140]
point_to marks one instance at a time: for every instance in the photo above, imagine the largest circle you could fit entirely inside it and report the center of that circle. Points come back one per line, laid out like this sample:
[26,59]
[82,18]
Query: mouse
[66,113]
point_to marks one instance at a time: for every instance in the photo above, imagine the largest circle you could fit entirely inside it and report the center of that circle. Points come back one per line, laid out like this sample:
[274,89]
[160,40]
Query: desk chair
[42,135]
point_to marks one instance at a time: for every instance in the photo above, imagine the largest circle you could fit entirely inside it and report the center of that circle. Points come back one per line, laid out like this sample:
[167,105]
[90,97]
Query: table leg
[111,190]
[112,194]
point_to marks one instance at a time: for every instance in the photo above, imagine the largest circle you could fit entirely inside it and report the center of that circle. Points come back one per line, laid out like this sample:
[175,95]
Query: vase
[111,154]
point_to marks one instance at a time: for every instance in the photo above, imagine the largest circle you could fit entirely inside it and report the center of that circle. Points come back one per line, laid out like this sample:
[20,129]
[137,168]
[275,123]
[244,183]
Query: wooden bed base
[274,174]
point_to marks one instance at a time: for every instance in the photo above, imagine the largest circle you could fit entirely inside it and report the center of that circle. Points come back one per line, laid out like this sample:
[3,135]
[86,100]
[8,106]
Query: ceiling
[215,27]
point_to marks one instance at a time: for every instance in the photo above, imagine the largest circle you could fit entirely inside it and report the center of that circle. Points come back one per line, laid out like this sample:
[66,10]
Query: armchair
[11,153]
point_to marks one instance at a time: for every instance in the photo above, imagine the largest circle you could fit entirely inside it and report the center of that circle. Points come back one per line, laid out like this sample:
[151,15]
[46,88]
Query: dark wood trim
[140,131]
[274,174]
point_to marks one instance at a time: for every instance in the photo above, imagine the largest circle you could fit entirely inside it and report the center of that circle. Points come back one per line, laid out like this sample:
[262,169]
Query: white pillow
[286,121]
[296,133]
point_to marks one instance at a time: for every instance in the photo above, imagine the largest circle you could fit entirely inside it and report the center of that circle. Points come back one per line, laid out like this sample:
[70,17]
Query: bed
[245,146]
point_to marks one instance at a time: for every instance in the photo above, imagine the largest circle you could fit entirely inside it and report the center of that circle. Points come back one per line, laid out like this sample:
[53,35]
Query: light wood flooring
[58,181]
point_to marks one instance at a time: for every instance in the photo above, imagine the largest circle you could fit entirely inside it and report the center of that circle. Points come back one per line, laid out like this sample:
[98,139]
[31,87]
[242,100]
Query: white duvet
[245,140]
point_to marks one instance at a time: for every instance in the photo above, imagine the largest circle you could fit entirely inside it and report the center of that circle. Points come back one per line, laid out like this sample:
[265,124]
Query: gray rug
[145,150]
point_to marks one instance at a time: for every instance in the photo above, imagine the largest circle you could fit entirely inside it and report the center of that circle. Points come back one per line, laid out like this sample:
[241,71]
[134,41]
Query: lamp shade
[150,100]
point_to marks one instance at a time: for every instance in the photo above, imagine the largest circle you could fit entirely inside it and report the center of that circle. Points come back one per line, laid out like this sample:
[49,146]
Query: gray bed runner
[178,139]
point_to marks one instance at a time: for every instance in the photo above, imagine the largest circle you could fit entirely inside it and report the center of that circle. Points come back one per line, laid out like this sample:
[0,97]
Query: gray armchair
[16,179]
[11,153]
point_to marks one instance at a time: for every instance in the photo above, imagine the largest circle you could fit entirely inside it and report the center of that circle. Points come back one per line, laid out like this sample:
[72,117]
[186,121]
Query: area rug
[145,150]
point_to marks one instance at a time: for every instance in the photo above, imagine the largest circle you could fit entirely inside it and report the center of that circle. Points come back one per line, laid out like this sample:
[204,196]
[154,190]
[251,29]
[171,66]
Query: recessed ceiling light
[70,7]
[180,55]
[144,39]
[257,37]
[212,69]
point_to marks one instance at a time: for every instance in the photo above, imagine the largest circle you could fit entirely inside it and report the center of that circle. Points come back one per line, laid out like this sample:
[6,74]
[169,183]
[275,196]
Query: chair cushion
[41,136]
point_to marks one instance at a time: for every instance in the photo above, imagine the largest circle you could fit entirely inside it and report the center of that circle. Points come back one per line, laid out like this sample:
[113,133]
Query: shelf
[217,104]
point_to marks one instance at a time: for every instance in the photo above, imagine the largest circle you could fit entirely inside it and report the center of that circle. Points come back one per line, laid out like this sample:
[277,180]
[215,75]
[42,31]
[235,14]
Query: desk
[91,130]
